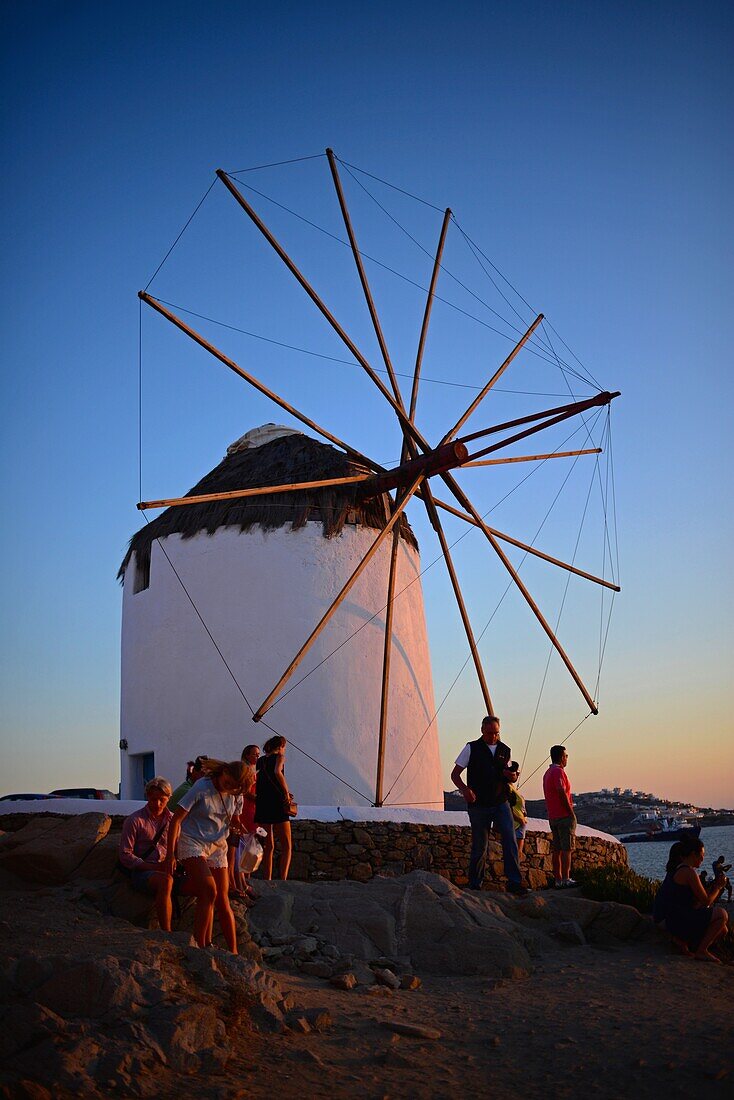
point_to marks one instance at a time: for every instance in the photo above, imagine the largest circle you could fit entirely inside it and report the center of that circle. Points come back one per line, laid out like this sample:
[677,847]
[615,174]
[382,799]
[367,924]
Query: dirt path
[589,1021]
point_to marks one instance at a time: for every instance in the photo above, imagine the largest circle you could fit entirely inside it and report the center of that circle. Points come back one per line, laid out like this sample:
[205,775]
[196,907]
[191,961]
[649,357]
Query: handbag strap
[227,814]
[154,843]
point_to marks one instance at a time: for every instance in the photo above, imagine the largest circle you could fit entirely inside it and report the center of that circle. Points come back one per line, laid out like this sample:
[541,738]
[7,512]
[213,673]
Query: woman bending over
[197,838]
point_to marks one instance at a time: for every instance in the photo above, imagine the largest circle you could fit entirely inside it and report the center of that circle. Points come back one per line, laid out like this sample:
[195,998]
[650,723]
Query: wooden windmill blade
[408,448]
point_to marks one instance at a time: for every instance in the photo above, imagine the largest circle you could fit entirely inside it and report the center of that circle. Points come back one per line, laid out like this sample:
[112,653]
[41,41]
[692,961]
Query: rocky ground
[397,987]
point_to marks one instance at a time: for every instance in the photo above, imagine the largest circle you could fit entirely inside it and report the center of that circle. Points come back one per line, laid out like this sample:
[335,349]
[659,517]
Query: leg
[717,927]
[163,886]
[565,865]
[479,821]
[200,883]
[556,857]
[266,865]
[502,817]
[283,836]
[224,911]
[520,846]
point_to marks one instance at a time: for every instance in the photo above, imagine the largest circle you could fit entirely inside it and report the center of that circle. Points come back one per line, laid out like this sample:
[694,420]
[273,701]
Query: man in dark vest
[486,794]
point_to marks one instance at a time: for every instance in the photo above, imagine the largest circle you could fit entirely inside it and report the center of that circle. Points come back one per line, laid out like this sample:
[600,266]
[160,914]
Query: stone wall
[360,850]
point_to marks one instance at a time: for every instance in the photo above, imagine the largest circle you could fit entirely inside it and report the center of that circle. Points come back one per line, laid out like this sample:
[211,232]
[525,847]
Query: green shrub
[615,883]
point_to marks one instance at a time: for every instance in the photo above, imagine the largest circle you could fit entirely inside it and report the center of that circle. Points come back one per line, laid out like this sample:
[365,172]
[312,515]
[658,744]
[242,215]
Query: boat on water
[664,828]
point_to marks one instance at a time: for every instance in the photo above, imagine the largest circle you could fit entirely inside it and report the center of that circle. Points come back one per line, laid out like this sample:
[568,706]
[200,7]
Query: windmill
[423,465]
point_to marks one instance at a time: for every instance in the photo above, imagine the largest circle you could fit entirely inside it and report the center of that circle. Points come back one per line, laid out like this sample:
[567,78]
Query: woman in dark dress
[686,906]
[272,801]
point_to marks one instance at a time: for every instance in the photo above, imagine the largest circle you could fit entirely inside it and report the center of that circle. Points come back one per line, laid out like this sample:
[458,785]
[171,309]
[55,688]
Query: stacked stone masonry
[360,850]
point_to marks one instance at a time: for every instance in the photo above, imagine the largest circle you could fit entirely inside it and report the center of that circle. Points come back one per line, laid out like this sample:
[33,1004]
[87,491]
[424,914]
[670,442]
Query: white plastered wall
[260,594]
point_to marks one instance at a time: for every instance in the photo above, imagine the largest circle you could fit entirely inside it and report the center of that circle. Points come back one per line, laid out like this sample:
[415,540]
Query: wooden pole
[236,494]
[363,277]
[531,431]
[202,342]
[576,406]
[493,380]
[323,309]
[398,511]
[443,458]
[427,313]
[386,658]
[427,497]
[466,503]
[531,458]
[523,545]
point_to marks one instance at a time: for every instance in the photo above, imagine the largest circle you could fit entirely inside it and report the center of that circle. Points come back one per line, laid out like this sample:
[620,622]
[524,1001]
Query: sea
[650,856]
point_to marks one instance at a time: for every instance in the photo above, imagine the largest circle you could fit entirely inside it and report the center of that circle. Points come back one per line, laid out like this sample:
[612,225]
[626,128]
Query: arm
[174,830]
[460,785]
[127,845]
[702,896]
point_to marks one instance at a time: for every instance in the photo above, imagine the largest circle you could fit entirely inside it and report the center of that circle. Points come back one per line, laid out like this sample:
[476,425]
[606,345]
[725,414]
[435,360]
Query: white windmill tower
[263,567]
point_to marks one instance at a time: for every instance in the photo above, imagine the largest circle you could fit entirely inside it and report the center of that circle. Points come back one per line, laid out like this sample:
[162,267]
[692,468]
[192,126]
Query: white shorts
[215,852]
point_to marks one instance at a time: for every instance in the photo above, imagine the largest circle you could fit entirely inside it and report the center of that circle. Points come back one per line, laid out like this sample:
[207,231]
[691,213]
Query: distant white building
[261,571]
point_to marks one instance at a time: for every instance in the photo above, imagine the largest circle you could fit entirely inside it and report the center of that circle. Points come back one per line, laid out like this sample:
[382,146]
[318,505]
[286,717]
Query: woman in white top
[197,838]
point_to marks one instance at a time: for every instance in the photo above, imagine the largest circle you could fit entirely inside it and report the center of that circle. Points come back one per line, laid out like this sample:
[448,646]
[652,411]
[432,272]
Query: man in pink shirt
[143,848]
[561,816]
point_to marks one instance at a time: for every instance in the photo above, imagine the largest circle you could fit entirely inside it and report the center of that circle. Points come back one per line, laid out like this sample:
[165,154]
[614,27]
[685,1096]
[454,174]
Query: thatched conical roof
[291,457]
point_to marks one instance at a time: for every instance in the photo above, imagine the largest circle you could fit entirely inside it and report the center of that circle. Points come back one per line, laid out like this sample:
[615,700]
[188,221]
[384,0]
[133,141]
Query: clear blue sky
[586,147]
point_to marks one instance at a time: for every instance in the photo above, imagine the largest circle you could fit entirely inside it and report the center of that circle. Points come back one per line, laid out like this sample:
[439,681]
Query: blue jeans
[482,819]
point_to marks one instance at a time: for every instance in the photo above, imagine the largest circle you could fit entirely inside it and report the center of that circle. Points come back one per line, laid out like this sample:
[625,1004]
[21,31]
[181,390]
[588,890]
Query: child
[517,805]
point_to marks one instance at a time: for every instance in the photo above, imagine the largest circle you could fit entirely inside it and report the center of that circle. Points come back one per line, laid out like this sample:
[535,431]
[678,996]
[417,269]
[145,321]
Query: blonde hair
[158,783]
[236,770]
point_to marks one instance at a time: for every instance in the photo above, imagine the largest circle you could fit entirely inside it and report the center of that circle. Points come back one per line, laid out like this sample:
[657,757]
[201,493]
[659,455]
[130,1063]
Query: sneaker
[569,883]
[558,884]
[517,889]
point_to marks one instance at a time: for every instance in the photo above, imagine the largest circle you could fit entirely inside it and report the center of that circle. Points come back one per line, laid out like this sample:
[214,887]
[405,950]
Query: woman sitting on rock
[197,838]
[142,850]
[686,906]
[272,802]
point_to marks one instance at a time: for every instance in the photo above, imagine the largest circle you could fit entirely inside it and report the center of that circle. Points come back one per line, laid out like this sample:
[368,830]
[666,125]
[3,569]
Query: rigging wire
[601,489]
[348,362]
[558,620]
[586,371]
[562,742]
[394,186]
[198,206]
[276,164]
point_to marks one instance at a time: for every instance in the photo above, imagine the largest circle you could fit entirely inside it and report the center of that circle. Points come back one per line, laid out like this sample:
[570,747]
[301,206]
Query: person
[685,906]
[194,771]
[719,866]
[561,816]
[250,756]
[234,836]
[197,838]
[486,794]
[272,800]
[142,849]
[517,805]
